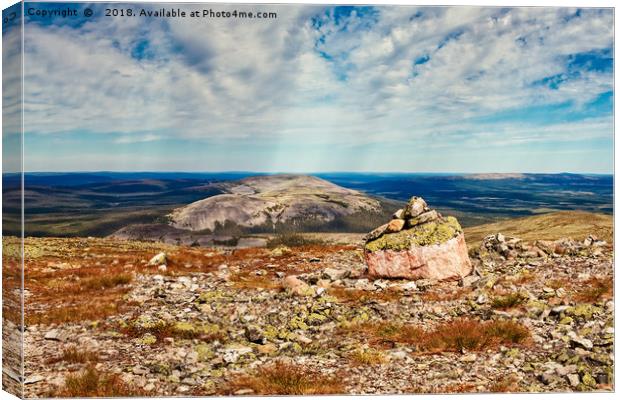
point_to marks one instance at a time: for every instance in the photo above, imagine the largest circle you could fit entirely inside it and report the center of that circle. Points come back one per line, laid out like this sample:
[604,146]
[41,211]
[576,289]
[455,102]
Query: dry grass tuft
[508,301]
[160,331]
[558,283]
[92,383]
[247,279]
[456,388]
[595,289]
[106,282]
[368,357]
[386,335]
[525,277]
[72,355]
[504,385]
[287,379]
[457,335]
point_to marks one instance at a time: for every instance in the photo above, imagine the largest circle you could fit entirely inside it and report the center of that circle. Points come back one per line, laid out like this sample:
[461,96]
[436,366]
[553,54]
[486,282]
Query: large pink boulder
[443,261]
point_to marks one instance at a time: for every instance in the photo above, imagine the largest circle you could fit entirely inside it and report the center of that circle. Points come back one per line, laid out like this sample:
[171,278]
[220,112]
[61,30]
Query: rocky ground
[108,317]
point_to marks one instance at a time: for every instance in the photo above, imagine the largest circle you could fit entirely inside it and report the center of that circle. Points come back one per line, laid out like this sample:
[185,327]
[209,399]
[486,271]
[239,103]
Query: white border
[504,3]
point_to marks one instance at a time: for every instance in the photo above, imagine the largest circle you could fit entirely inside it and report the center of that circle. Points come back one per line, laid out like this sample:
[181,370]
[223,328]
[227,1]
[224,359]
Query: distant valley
[99,204]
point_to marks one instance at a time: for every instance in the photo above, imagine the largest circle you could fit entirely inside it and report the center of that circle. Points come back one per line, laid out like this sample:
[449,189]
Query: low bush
[72,355]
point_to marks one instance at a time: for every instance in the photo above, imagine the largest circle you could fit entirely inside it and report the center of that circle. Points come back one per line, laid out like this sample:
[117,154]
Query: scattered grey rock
[602,378]
[471,357]
[469,280]
[579,341]
[409,286]
[57,335]
[546,378]
[300,329]
[254,335]
[244,392]
[335,274]
[140,370]
[232,353]
[398,355]
[34,379]
[573,379]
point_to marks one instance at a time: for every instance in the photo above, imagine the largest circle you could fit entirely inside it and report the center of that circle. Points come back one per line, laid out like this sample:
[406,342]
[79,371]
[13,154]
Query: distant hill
[282,203]
[477,199]
[101,203]
[494,176]
[551,226]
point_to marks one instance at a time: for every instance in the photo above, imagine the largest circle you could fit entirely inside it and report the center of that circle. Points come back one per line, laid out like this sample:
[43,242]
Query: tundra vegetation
[102,320]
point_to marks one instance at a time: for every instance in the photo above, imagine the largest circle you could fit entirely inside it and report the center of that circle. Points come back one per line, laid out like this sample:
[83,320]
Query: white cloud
[137,139]
[285,80]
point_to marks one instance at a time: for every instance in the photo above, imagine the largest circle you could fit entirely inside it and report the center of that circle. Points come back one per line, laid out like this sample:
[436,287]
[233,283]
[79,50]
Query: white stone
[409,286]
[34,379]
[573,379]
[56,335]
[469,357]
[158,259]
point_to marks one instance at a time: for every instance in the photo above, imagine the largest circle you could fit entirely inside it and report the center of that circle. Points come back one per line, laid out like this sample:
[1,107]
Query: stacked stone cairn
[418,243]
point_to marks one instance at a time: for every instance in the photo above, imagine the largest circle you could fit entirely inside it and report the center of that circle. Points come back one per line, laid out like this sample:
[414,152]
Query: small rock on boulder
[376,233]
[395,225]
[415,207]
[423,218]
[400,214]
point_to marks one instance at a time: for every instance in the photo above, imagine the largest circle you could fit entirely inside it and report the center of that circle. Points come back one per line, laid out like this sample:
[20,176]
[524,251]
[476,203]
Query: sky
[373,89]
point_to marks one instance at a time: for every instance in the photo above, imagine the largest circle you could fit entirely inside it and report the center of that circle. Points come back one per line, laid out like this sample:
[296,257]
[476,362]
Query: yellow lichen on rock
[435,232]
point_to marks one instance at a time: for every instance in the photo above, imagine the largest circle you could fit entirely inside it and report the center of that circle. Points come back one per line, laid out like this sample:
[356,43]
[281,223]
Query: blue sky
[401,89]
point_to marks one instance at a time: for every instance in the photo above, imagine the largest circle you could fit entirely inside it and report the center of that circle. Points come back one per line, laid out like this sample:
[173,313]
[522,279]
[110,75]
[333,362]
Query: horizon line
[305,172]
